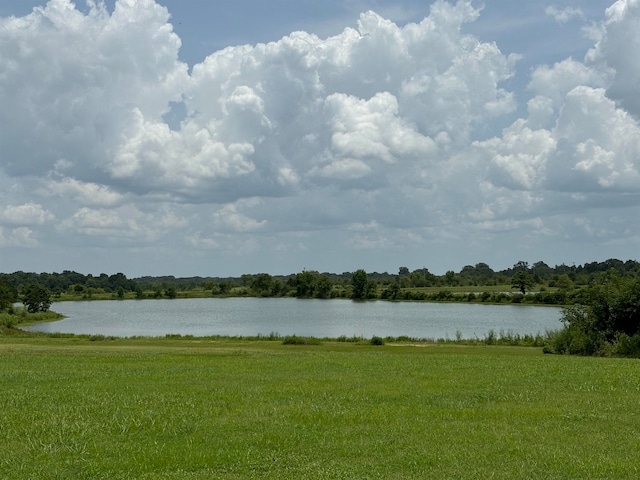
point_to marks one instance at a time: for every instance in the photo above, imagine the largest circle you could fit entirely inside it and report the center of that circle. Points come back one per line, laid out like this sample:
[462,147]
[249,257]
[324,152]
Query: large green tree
[523,281]
[36,298]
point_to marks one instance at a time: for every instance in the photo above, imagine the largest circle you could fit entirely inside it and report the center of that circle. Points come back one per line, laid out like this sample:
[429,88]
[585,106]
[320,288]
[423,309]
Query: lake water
[290,316]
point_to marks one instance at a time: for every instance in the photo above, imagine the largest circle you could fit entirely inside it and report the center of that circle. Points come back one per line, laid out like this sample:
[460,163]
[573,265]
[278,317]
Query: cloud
[22,237]
[563,15]
[520,156]
[86,193]
[264,120]
[27,214]
[617,39]
[554,82]
[185,164]
[581,138]
[70,82]
[594,146]
[93,222]
[412,131]
[229,218]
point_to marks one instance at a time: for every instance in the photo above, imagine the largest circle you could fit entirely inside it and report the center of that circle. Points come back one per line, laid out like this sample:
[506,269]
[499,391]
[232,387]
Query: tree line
[313,283]
[559,285]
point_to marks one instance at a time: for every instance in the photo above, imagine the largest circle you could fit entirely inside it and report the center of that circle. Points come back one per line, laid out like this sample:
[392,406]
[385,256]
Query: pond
[290,316]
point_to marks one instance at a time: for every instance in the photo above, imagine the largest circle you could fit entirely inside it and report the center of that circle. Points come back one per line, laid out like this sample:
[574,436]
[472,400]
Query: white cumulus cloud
[380,137]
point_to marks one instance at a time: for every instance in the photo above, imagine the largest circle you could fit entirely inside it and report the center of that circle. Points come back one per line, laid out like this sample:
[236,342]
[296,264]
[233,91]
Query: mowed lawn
[161,408]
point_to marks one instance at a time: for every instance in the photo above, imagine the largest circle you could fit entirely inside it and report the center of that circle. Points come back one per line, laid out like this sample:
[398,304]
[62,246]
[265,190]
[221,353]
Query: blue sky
[190,138]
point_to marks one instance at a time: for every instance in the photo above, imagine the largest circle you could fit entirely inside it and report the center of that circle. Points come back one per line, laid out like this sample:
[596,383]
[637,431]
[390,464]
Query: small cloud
[369,242]
[18,237]
[27,214]
[564,15]
[85,193]
[202,243]
[230,219]
[364,227]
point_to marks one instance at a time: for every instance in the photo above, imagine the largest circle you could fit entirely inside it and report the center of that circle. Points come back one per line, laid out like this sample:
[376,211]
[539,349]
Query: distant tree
[171,292]
[416,279]
[324,285]
[8,295]
[393,291]
[304,283]
[450,278]
[262,284]
[541,270]
[117,281]
[484,270]
[468,273]
[371,289]
[36,299]
[359,282]
[403,271]
[564,282]
[523,281]
[480,274]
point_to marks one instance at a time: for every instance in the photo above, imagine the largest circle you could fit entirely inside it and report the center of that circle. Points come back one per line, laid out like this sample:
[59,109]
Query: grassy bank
[19,316]
[145,408]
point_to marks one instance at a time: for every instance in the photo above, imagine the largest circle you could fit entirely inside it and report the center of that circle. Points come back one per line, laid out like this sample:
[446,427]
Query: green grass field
[190,409]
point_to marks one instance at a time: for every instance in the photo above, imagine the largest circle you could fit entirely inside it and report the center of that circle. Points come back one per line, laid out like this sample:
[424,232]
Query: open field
[165,408]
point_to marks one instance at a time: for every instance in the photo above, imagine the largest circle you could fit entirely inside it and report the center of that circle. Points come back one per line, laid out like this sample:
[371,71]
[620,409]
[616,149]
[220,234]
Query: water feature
[290,316]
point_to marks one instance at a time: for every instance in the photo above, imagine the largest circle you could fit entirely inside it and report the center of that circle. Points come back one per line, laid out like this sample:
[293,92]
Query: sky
[199,138]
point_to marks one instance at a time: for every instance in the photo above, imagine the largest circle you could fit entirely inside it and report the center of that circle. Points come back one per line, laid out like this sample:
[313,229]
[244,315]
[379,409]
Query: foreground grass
[145,408]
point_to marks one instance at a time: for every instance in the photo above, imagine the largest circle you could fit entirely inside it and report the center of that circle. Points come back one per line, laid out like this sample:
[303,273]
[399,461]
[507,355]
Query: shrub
[500,297]
[417,296]
[295,340]
[551,298]
[7,320]
[375,340]
[442,296]
[580,335]
[402,338]
[517,298]
[627,346]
